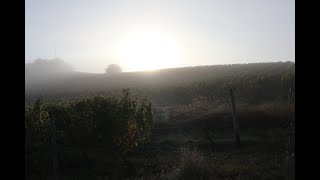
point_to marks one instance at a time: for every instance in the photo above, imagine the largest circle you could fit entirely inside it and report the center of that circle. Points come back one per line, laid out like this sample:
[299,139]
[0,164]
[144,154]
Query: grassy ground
[179,148]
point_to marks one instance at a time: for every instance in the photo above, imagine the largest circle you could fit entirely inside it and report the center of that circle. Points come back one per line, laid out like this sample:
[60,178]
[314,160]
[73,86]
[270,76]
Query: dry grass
[205,106]
[191,164]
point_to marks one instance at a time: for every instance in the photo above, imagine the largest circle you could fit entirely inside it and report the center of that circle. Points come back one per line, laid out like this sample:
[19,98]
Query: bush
[37,139]
[119,125]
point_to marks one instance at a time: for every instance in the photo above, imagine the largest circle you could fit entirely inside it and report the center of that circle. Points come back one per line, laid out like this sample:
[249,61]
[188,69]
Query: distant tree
[113,68]
[45,66]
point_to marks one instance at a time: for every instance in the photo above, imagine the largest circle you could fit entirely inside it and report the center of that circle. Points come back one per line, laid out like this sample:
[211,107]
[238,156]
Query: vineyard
[169,124]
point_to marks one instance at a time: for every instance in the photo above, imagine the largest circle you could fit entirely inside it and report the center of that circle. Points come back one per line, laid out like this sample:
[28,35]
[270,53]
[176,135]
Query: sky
[146,35]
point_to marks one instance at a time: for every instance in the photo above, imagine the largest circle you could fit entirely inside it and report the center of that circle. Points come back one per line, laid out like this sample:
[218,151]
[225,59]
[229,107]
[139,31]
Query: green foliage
[136,121]
[118,125]
[37,138]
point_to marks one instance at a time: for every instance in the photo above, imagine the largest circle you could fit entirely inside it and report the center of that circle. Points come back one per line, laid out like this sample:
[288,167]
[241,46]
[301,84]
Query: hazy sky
[94,33]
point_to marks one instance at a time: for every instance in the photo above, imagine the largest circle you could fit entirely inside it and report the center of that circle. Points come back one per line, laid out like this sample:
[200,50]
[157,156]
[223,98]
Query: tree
[45,66]
[113,68]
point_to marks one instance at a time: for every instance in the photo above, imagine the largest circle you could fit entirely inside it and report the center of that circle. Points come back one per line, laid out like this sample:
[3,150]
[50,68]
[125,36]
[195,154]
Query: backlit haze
[146,35]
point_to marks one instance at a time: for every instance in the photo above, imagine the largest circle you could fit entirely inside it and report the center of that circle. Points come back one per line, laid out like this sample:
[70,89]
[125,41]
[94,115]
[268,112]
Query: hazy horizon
[72,69]
[143,35]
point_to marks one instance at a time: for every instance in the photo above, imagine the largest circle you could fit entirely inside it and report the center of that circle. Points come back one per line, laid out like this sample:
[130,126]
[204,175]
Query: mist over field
[165,90]
[58,78]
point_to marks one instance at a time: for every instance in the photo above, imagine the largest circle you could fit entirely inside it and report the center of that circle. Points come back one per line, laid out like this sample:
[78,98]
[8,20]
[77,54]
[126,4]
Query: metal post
[235,120]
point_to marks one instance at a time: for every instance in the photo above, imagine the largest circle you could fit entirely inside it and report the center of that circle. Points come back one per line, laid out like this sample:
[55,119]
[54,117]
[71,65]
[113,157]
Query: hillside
[190,116]
[78,83]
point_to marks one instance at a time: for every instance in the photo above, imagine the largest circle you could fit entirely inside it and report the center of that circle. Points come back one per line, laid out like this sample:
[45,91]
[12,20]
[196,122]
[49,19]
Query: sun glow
[148,50]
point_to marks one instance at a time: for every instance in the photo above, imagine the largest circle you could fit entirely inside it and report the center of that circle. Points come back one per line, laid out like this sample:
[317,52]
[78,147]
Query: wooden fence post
[54,149]
[235,120]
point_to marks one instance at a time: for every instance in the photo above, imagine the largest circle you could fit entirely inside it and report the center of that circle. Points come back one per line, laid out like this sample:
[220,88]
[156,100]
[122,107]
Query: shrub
[191,165]
[119,125]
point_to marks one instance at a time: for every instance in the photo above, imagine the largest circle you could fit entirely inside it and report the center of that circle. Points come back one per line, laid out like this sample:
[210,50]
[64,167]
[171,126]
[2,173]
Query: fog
[159,89]
[58,78]
[144,35]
